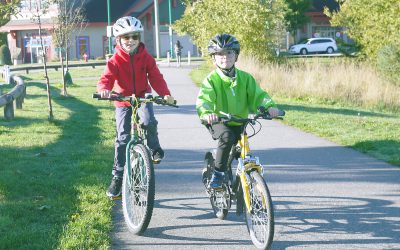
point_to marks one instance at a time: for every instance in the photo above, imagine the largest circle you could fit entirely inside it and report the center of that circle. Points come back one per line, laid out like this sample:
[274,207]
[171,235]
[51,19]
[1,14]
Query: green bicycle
[138,183]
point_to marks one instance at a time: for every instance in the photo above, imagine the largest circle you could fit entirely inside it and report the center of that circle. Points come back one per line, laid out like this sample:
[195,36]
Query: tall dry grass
[340,80]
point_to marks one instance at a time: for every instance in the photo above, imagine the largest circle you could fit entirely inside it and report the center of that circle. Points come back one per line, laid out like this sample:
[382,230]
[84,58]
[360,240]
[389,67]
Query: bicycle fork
[245,167]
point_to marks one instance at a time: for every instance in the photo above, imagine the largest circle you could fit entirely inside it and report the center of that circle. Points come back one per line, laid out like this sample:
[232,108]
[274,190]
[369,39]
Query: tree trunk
[51,117]
[64,89]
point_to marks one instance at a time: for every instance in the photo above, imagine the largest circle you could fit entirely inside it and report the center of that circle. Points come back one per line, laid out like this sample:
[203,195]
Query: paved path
[325,196]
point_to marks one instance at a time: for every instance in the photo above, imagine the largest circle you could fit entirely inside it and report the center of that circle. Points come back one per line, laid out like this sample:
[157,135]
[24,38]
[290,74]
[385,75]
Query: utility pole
[170,28]
[109,30]
[157,33]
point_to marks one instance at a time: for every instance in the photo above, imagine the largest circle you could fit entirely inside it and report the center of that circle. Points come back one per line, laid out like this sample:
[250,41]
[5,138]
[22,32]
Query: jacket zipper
[134,76]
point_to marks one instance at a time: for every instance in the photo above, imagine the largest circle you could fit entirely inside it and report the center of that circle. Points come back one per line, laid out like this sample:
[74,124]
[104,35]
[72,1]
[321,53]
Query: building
[23,37]
[319,25]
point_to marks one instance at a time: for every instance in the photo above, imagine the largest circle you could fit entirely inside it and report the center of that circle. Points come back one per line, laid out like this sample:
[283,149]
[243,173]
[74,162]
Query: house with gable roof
[23,37]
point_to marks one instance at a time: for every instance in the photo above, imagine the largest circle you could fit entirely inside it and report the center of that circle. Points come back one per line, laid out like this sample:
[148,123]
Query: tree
[295,15]
[70,19]
[258,25]
[39,8]
[8,9]
[372,24]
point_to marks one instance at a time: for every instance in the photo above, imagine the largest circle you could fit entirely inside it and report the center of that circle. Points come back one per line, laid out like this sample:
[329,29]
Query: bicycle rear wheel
[260,221]
[138,190]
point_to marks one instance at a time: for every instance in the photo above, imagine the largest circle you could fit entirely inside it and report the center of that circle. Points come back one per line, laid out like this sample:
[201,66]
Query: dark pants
[227,136]
[123,117]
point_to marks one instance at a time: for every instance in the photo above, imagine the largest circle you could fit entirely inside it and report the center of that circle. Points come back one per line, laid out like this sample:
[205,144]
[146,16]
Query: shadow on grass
[374,147]
[41,186]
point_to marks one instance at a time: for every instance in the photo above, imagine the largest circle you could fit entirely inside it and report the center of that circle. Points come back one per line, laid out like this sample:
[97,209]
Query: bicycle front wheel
[138,188]
[260,220]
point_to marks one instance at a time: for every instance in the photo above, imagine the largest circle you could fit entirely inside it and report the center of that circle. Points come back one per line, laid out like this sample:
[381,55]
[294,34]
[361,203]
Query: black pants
[227,136]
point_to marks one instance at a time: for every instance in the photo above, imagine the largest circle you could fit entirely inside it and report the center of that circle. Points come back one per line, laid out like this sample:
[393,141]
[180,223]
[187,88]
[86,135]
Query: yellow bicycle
[249,189]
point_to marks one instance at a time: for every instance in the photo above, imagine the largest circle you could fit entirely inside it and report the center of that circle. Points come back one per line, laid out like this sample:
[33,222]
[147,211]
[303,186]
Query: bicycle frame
[246,163]
[136,138]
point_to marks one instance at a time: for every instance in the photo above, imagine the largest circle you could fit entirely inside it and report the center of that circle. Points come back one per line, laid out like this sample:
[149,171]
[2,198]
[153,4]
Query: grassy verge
[374,129]
[53,174]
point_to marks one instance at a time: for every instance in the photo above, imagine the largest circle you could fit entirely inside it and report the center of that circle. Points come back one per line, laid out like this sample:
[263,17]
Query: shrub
[5,55]
[388,63]
[68,79]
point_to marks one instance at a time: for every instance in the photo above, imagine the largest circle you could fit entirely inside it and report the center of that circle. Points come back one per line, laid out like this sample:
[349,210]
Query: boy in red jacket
[129,71]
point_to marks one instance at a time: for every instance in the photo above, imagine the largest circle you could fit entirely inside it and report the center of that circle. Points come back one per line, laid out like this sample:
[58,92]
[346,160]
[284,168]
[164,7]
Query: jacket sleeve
[155,77]
[205,103]
[107,78]
[257,96]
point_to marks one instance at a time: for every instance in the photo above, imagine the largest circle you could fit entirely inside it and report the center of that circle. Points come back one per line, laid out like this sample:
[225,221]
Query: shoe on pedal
[158,155]
[216,180]
[114,190]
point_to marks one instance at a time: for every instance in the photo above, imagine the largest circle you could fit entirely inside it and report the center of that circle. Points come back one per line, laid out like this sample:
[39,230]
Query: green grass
[376,133]
[53,175]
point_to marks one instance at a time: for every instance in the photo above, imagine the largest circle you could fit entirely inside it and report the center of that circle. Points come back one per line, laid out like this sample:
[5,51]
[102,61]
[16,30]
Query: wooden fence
[14,98]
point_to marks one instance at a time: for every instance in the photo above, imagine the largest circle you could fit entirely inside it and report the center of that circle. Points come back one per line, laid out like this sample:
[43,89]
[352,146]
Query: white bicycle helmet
[126,25]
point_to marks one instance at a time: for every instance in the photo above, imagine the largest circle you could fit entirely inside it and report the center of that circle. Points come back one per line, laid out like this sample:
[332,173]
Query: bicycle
[248,189]
[138,183]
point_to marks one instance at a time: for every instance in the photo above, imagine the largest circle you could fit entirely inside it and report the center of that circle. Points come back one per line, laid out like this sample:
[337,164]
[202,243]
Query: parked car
[314,45]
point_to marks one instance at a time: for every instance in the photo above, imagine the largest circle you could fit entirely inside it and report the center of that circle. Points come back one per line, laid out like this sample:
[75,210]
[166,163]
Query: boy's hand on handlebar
[169,99]
[105,93]
[212,118]
[273,112]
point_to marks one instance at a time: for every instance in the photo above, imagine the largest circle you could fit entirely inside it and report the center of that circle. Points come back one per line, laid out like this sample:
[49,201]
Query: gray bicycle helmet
[223,42]
[126,25]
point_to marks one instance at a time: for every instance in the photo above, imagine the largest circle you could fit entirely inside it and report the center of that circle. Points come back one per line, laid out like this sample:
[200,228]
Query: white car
[314,45]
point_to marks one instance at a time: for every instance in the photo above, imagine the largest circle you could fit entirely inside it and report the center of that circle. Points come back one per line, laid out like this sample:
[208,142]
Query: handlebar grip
[96,96]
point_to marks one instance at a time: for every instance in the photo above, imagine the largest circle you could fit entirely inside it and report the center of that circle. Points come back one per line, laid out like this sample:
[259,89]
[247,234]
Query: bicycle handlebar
[132,99]
[231,118]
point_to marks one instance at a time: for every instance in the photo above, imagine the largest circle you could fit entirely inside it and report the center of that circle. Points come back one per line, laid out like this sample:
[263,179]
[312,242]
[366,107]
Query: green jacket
[238,96]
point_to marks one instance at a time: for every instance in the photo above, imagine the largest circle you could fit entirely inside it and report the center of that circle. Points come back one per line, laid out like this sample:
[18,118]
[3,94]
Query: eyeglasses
[134,37]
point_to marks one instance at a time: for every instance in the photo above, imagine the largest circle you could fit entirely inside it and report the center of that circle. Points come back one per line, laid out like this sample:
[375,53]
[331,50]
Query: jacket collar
[121,53]
[227,79]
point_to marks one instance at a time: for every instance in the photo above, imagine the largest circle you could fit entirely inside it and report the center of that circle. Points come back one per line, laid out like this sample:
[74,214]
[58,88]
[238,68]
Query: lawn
[53,175]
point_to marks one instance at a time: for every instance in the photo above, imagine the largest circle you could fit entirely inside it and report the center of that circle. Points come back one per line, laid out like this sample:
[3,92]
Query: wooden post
[9,111]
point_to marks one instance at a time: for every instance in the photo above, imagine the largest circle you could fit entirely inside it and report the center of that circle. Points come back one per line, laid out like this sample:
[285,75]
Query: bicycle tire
[220,200]
[138,200]
[260,221]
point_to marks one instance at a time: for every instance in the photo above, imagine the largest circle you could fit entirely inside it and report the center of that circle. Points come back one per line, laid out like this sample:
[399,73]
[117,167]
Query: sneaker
[114,190]
[158,155]
[216,180]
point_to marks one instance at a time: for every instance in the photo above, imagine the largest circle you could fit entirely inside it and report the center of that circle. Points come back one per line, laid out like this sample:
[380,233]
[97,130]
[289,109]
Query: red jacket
[129,75]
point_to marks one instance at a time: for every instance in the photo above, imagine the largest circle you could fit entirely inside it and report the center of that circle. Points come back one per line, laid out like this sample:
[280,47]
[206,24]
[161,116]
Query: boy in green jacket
[229,90]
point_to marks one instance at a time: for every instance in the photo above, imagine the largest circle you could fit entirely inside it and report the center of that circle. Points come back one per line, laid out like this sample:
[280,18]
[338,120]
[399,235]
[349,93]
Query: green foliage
[3,38]
[7,10]
[5,55]
[388,62]
[255,24]
[295,15]
[372,24]
[68,79]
